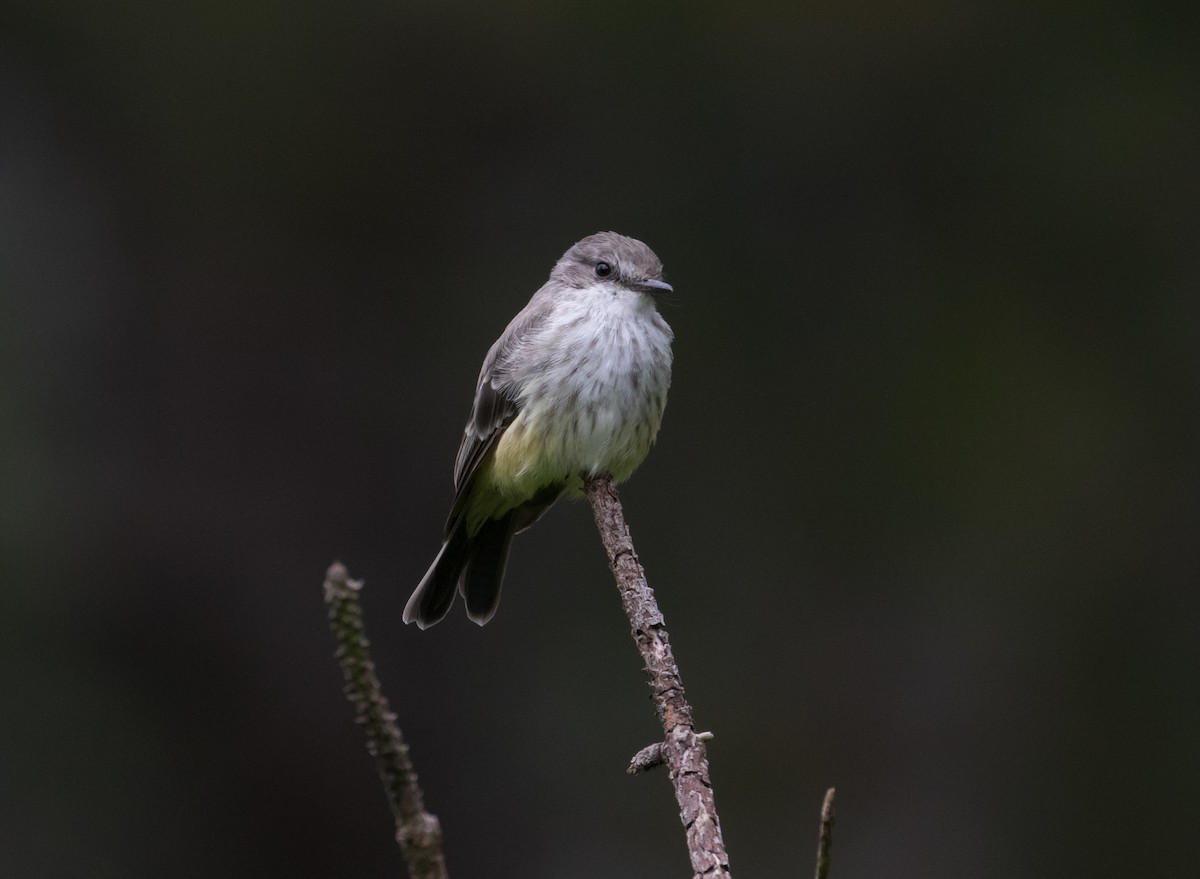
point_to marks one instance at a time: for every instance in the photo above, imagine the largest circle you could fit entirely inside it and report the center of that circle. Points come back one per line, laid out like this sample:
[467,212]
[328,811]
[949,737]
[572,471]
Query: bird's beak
[651,286]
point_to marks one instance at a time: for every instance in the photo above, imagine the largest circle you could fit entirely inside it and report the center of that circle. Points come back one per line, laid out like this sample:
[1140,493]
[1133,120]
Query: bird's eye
[603,270]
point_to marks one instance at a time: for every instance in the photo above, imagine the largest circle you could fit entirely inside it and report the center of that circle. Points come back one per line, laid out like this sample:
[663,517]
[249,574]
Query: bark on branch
[682,749]
[417,832]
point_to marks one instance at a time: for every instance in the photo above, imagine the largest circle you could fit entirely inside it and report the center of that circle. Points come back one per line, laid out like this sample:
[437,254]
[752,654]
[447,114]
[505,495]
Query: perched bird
[574,388]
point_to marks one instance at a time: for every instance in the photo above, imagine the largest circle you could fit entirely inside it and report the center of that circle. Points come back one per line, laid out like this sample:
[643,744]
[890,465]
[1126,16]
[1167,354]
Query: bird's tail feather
[484,572]
[473,565]
[435,593]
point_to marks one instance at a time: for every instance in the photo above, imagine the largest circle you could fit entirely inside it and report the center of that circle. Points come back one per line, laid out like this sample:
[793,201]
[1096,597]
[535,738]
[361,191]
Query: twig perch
[417,832]
[682,748]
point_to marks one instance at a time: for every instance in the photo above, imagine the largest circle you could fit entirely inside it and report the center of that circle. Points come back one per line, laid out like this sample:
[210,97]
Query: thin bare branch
[684,752]
[418,833]
[825,837]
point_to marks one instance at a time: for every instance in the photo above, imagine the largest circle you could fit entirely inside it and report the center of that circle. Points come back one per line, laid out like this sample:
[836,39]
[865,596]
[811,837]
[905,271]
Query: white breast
[596,382]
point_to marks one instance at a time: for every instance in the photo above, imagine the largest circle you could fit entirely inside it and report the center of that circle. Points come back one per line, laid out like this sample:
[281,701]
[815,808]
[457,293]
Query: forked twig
[682,748]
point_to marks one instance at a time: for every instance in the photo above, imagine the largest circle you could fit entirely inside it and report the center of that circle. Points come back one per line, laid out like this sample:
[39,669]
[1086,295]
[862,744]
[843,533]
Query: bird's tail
[470,564]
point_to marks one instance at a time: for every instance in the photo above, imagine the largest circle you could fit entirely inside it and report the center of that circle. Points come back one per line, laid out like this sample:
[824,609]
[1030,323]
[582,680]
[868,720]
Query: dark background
[923,516]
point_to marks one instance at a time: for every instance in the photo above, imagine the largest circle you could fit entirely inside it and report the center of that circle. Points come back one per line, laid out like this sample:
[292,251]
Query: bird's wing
[497,400]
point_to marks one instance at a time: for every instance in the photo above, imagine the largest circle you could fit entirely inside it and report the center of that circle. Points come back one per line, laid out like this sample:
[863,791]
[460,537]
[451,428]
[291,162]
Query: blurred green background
[924,517]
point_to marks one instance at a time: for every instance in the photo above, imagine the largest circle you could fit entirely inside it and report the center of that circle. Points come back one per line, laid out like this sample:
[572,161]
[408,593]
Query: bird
[574,388]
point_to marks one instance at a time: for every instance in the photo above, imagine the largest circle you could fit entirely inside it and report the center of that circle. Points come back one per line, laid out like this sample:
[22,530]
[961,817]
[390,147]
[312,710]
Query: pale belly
[548,444]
